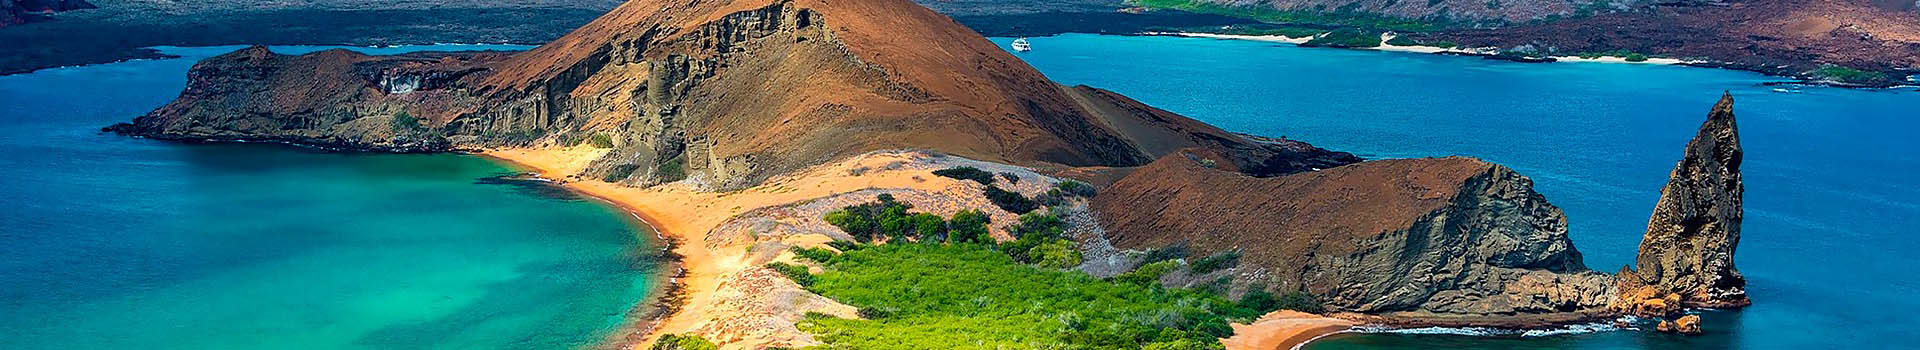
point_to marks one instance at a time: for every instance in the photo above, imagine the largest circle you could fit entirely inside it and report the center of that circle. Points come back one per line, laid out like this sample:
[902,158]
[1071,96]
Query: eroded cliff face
[723,93]
[1686,257]
[1440,241]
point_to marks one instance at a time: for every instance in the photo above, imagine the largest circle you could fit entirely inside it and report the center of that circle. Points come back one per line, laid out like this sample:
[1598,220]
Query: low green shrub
[969,226]
[819,255]
[1075,188]
[1010,201]
[797,273]
[683,342]
[1176,251]
[1215,262]
[600,140]
[674,169]
[1147,275]
[620,172]
[1263,302]
[966,173]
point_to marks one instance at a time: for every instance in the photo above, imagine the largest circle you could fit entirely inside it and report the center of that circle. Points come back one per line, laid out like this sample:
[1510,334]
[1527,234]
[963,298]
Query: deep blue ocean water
[1833,204]
[113,242]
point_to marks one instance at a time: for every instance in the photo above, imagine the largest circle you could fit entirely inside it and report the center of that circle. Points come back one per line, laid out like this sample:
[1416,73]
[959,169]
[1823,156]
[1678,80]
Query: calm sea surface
[108,242]
[1833,202]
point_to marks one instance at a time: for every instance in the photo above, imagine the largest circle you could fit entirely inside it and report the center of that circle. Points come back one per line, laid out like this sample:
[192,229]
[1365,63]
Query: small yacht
[1021,45]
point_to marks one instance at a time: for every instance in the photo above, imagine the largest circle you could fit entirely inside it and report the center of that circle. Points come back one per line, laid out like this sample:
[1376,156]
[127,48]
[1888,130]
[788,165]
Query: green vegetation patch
[620,172]
[1216,262]
[1010,201]
[1296,301]
[1348,16]
[1847,75]
[405,122]
[683,342]
[967,173]
[600,140]
[971,296]
[888,219]
[672,170]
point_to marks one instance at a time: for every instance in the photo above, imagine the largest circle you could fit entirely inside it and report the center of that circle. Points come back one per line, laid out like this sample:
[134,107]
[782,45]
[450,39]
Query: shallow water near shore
[1832,207]
[115,242]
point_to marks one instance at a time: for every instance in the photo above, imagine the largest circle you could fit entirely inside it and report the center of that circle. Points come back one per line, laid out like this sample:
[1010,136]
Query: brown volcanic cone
[725,91]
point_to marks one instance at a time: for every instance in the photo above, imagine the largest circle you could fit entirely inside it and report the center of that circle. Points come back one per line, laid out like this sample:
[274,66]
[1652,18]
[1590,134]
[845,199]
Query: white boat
[1022,45]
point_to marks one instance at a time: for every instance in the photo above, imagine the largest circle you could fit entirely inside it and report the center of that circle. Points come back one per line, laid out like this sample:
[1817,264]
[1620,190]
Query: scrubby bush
[844,246]
[1037,230]
[878,220]
[819,255]
[1010,201]
[1075,188]
[674,169]
[1058,253]
[1263,302]
[1636,57]
[1147,275]
[967,173]
[600,140]
[1176,251]
[405,122]
[620,172]
[969,226]
[1011,178]
[797,273]
[683,342]
[1215,262]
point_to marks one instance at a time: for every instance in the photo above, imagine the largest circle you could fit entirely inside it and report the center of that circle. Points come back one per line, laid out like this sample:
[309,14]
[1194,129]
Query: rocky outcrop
[1439,241]
[1686,257]
[722,93]
[19,11]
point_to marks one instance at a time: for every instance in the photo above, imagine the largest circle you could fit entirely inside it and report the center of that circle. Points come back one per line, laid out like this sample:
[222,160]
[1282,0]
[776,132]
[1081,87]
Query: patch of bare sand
[1284,330]
[726,237]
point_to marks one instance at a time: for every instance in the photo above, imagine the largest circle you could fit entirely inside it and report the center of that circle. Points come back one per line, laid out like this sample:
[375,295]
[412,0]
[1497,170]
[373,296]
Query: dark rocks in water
[1686,257]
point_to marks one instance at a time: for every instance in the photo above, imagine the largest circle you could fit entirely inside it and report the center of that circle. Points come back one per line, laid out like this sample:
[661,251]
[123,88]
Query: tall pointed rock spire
[1686,257]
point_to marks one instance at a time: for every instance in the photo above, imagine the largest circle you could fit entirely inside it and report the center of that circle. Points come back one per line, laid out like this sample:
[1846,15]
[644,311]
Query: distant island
[872,174]
[1855,43]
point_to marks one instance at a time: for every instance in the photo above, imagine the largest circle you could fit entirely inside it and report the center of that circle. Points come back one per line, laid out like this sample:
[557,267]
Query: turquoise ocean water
[112,242]
[1833,205]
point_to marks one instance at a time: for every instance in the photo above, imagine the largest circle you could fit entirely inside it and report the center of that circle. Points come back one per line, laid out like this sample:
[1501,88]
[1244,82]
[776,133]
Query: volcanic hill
[725,92]
[723,95]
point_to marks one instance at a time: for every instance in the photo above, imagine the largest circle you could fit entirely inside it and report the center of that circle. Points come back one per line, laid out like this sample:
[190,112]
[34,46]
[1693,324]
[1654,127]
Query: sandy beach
[727,296]
[1384,46]
[1284,330]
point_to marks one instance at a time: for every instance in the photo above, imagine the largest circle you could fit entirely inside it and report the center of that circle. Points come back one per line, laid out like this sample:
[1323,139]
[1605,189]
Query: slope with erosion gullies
[726,93]
[1448,241]
[1438,241]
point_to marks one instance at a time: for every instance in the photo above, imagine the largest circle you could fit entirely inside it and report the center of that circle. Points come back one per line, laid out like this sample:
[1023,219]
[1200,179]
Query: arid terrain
[733,125]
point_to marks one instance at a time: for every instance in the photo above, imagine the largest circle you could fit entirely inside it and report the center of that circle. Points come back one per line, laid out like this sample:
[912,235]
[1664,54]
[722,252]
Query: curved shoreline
[666,298]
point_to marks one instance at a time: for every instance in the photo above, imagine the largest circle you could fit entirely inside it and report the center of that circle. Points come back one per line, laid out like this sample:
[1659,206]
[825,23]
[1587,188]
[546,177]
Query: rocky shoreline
[734,126]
